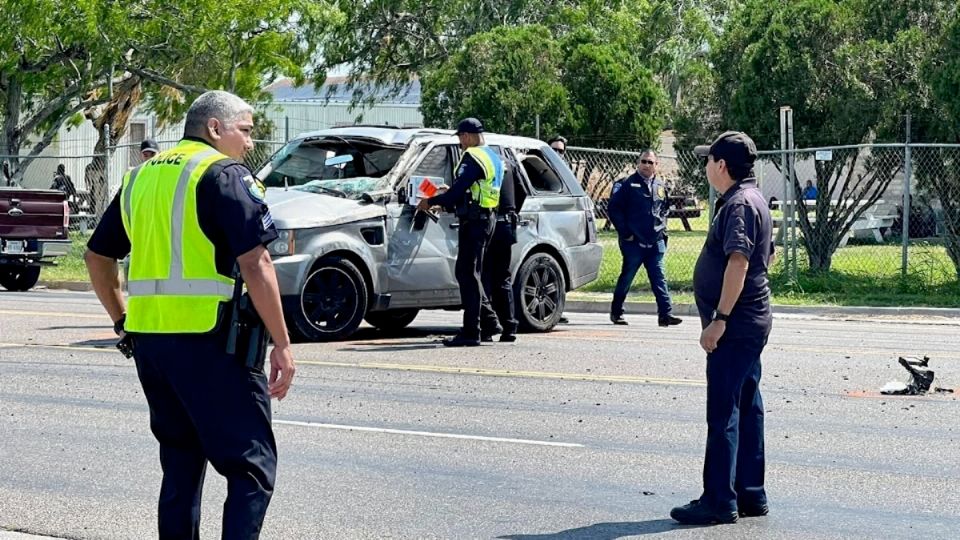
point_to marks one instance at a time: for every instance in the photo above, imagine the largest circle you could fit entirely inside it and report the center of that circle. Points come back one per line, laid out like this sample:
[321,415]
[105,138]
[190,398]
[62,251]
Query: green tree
[845,82]
[506,78]
[101,57]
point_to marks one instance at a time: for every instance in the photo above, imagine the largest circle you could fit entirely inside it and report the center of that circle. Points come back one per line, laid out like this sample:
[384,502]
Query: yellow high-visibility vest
[173,284]
[486,192]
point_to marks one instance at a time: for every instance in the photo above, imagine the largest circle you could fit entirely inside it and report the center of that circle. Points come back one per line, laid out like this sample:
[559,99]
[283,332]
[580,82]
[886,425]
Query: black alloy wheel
[333,301]
[540,292]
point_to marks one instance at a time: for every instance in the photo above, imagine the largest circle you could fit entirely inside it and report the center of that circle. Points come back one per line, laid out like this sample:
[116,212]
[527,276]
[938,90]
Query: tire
[332,302]
[392,320]
[540,293]
[19,278]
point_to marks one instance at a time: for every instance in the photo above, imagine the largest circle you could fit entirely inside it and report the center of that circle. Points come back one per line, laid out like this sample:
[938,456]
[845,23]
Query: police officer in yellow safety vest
[187,217]
[474,195]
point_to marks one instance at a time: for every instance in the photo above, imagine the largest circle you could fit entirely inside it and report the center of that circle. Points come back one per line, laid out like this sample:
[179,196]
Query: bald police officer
[474,195]
[186,217]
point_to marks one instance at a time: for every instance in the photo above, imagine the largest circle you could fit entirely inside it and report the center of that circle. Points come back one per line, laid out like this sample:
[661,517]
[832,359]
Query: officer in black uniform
[206,405]
[639,209]
[476,229]
[733,297]
[497,279]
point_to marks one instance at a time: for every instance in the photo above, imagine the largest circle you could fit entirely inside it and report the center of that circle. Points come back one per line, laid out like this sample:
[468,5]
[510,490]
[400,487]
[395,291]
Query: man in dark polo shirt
[733,297]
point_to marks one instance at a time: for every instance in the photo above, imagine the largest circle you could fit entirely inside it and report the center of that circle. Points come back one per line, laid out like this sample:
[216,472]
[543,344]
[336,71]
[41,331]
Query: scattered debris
[921,378]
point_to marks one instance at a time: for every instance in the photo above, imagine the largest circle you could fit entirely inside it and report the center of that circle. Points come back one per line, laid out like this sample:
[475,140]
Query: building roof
[339,90]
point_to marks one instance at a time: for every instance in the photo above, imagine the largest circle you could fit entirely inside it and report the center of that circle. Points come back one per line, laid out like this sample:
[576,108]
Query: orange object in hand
[427,188]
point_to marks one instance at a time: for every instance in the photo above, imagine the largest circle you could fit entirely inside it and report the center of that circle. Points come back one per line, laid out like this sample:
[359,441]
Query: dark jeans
[497,282]
[206,406]
[650,258]
[473,235]
[733,468]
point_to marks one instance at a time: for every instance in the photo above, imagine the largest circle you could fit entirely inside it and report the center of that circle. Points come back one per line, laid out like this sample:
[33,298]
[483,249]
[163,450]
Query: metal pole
[103,194]
[792,160]
[286,129]
[786,193]
[538,126]
[907,175]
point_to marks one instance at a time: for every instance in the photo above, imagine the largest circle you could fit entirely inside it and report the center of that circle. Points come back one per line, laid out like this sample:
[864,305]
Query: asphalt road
[592,431]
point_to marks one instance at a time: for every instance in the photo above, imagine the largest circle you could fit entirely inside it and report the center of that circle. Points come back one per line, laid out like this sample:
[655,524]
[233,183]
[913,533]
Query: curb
[650,308]
[78,286]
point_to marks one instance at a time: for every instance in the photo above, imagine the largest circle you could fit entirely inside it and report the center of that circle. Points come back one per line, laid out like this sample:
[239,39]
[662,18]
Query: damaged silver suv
[352,247]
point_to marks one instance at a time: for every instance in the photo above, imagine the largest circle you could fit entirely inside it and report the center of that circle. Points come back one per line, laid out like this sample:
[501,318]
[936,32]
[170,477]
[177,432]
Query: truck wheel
[19,278]
[392,320]
[333,301]
[540,293]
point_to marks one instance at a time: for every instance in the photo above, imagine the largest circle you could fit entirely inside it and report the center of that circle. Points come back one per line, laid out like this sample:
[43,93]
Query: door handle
[524,222]
[455,225]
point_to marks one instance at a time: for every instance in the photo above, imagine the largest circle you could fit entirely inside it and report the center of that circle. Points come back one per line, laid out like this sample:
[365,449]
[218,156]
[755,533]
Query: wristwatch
[717,316]
[118,326]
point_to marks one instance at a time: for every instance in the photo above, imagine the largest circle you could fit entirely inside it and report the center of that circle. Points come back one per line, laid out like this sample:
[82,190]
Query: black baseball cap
[150,145]
[736,148]
[469,125]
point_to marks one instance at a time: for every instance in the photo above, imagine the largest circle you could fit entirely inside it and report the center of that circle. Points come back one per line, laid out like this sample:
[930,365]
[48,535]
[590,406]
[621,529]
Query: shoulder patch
[254,188]
[617,186]
[662,193]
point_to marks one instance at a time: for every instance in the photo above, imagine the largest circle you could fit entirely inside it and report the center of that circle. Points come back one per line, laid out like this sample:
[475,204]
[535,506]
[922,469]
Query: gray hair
[224,106]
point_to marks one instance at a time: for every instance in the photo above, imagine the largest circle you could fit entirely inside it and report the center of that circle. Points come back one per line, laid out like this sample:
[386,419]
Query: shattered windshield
[334,165]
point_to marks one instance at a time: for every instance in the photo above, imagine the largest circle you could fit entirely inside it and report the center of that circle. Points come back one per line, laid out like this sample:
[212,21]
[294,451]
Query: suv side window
[437,163]
[543,179]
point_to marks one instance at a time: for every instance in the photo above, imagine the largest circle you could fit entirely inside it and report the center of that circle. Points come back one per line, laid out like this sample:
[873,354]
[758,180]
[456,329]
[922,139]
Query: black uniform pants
[206,406]
[497,282]
[734,465]
[473,236]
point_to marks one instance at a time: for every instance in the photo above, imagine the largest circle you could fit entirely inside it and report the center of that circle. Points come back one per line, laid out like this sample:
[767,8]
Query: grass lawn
[69,267]
[861,274]
[865,274]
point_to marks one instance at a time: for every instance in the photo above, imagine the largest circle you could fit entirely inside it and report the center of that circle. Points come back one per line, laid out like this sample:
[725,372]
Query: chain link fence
[840,222]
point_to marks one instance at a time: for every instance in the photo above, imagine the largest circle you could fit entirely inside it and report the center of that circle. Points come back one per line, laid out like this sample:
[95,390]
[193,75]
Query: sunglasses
[648,162]
[559,150]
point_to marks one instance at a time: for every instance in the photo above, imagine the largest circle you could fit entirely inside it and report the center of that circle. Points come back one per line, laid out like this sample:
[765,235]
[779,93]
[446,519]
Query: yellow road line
[461,370]
[101,316]
[468,370]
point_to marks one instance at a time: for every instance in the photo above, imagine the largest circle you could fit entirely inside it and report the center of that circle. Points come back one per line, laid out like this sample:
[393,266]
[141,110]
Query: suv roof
[394,135]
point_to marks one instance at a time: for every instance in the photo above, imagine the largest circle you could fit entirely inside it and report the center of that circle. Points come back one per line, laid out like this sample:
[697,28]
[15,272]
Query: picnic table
[871,224]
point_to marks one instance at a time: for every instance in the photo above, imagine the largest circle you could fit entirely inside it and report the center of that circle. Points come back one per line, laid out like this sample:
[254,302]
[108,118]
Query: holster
[247,335]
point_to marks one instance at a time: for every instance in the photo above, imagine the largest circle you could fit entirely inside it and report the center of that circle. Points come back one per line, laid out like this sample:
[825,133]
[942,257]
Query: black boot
[669,320]
[460,340]
[699,513]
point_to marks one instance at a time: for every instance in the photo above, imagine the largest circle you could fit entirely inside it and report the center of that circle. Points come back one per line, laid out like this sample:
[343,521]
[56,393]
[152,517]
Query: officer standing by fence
[733,298]
[497,282]
[475,194]
[187,217]
[639,208]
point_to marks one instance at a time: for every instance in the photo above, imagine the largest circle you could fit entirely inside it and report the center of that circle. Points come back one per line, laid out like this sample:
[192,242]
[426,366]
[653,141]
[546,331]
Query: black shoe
[460,341]
[508,338]
[563,320]
[618,319]
[698,513]
[486,336]
[670,320]
[753,510]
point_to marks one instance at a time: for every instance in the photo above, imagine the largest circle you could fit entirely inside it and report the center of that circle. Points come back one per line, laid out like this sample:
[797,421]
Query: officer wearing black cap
[732,293]
[474,195]
[149,148]
[187,217]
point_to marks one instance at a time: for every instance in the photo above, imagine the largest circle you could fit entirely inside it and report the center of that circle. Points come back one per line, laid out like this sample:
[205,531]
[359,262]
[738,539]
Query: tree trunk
[115,114]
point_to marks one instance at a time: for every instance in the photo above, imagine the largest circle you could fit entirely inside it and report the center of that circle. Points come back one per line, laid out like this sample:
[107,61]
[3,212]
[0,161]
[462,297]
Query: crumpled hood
[294,209]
